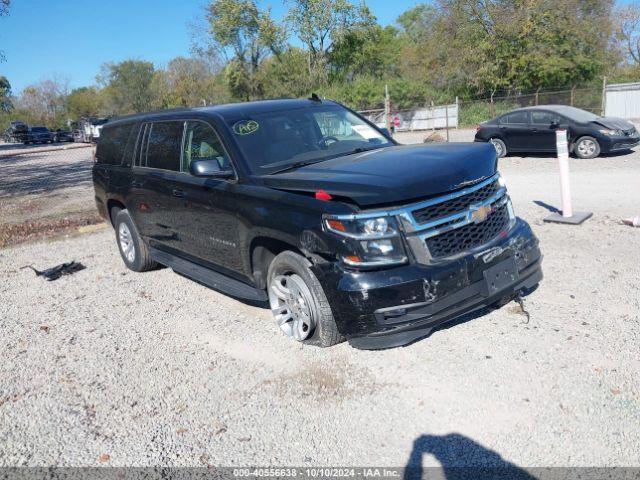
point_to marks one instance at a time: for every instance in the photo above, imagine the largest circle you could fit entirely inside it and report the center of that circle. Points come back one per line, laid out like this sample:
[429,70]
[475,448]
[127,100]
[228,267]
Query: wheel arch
[112,204]
[262,251]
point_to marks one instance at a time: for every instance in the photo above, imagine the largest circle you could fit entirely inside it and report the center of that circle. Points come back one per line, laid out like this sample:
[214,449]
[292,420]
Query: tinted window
[516,117]
[544,118]
[202,143]
[112,144]
[163,147]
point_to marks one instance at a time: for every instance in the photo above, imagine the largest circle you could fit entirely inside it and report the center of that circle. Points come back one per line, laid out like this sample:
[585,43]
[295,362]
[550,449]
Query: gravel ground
[110,367]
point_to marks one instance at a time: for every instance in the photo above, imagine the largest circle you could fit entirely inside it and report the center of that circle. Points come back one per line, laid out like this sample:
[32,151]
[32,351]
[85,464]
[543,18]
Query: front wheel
[587,147]
[298,301]
[499,145]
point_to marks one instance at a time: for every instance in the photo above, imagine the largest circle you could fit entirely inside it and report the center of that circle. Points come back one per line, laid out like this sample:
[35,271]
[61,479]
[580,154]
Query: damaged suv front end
[405,270]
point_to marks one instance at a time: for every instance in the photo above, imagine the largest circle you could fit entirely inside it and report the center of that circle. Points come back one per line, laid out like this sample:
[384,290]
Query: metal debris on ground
[56,272]
[520,301]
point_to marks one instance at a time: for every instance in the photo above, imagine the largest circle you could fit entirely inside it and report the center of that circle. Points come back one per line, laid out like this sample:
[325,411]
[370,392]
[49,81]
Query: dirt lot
[109,367]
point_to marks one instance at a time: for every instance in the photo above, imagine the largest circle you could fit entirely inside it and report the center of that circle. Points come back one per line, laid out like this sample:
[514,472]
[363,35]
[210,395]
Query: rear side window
[163,145]
[516,117]
[544,118]
[112,144]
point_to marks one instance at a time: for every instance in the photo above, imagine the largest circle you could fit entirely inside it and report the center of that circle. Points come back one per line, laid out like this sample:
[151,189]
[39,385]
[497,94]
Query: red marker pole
[567,215]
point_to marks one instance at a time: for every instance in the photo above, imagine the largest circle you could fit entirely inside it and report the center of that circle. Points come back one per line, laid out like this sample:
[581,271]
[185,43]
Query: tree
[127,86]
[246,36]
[186,82]
[5,95]
[319,23]
[45,102]
[84,102]
[627,31]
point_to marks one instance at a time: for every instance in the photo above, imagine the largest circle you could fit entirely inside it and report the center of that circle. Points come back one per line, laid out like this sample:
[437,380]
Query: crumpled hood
[393,174]
[614,123]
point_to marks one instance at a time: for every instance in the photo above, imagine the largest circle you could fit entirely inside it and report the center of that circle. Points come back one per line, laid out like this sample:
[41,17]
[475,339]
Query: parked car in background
[16,132]
[533,129]
[39,135]
[307,205]
[63,136]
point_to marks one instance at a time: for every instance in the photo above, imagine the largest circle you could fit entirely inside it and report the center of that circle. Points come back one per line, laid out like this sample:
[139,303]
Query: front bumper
[618,143]
[389,308]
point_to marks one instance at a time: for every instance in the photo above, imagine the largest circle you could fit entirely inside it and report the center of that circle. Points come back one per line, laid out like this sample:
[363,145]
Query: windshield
[39,129]
[275,141]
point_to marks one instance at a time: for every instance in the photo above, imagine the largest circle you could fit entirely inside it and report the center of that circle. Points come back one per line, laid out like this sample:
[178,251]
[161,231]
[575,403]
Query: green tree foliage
[126,86]
[84,102]
[320,23]
[186,82]
[246,36]
[479,46]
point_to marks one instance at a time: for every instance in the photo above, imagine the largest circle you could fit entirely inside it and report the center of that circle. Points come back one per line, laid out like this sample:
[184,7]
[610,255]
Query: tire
[299,303]
[586,147]
[499,145]
[134,252]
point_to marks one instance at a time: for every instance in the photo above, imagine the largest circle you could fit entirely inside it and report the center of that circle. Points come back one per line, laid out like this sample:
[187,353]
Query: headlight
[374,241]
[606,131]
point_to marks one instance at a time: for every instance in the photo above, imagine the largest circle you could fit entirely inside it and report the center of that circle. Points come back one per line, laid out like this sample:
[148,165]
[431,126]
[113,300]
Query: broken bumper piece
[394,307]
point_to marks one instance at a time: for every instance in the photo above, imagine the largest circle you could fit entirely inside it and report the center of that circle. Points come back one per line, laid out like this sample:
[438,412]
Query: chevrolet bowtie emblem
[480,214]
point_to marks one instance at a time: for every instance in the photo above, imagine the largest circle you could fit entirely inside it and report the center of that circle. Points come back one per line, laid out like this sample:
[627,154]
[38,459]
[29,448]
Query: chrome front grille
[470,236]
[458,222]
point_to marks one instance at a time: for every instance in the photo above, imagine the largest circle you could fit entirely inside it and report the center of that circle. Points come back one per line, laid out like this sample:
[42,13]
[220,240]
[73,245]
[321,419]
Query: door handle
[137,183]
[534,130]
[176,192]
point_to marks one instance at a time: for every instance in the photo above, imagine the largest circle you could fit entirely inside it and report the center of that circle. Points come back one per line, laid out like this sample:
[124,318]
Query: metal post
[492,108]
[446,115]
[573,95]
[387,108]
[604,95]
[457,112]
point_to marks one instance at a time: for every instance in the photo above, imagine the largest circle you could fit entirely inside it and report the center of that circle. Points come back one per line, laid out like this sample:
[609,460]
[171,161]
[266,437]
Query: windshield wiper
[294,165]
[304,163]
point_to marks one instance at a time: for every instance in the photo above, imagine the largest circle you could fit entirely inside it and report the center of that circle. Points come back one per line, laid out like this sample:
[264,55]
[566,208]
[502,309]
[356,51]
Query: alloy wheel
[586,147]
[290,301]
[498,146]
[126,242]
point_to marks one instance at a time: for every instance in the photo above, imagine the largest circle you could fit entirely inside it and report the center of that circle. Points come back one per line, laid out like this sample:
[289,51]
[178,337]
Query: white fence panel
[425,118]
[622,100]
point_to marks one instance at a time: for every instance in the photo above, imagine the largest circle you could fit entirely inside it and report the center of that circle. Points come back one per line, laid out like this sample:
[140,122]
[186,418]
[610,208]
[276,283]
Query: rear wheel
[499,145]
[587,147]
[133,251]
[298,302]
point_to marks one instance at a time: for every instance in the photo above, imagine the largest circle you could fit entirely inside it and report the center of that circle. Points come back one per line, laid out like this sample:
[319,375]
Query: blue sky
[72,38]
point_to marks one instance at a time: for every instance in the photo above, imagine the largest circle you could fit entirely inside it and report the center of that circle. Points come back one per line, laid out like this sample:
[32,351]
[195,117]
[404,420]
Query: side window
[112,143]
[202,143]
[163,147]
[516,118]
[544,118]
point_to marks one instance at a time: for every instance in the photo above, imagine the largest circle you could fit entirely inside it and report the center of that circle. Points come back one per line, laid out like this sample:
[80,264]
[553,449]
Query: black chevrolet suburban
[307,205]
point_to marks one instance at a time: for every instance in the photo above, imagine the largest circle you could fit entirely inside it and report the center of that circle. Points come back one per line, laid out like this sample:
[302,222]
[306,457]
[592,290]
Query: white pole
[563,160]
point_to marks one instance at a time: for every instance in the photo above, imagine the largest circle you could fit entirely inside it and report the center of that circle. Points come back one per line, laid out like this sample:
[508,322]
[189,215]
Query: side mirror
[208,168]
[555,124]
